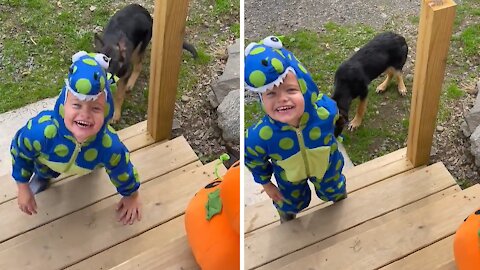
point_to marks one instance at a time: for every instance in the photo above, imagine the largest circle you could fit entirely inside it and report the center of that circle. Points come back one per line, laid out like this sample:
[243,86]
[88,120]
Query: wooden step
[177,255]
[398,238]
[263,213]
[60,200]
[393,193]
[75,237]
[134,137]
[359,229]
[436,256]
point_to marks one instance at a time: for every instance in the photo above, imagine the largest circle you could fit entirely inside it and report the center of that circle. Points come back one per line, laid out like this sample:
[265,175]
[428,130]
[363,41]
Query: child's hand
[129,209]
[26,199]
[273,192]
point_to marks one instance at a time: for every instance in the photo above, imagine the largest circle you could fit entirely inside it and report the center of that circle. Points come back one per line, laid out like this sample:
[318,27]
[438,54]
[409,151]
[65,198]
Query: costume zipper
[301,143]
[78,149]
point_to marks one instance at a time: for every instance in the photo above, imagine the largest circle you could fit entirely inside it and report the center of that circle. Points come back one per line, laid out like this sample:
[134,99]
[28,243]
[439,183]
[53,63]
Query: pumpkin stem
[223,157]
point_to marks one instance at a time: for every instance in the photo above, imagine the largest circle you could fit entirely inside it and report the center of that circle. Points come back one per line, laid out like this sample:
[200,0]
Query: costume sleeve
[120,169]
[256,157]
[24,148]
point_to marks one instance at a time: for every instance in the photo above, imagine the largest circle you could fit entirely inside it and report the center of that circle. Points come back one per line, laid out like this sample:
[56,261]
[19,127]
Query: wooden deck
[395,217]
[75,227]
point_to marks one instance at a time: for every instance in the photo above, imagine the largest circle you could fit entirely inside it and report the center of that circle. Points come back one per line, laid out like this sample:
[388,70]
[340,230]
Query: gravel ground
[450,146]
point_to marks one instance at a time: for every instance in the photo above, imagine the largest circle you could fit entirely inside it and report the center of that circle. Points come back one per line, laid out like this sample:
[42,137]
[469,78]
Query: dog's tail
[189,47]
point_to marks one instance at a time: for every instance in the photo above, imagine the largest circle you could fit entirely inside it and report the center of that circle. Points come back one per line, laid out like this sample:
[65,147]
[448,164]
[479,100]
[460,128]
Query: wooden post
[434,33]
[168,33]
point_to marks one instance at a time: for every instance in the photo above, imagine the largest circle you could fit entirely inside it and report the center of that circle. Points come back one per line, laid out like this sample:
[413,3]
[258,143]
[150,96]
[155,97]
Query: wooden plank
[393,193]
[360,228]
[434,33]
[436,256]
[133,130]
[168,32]
[263,213]
[91,230]
[398,238]
[172,155]
[177,255]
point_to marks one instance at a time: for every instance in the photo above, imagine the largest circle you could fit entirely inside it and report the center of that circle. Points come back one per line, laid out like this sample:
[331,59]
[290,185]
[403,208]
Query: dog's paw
[115,118]
[402,91]
[381,89]
[354,124]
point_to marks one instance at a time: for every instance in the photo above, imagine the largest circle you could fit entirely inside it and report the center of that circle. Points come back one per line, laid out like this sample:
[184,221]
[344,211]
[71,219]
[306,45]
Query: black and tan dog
[386,52]
[124,40]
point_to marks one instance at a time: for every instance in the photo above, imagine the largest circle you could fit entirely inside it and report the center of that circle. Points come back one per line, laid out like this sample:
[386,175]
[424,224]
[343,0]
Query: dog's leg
[137,67]
[401,86]
[357,120]
[383,86]
[118,99]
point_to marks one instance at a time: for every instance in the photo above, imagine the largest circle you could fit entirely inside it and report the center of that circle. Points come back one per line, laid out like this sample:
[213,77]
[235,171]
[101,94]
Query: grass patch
[223,7]
[253,113]
[454,92]
[470,38]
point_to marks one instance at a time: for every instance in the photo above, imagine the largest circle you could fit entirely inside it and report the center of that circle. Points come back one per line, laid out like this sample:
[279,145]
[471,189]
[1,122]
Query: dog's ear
[98,42]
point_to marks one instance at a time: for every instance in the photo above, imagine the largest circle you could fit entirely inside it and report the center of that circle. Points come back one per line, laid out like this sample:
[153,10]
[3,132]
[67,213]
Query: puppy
[386,52]
[124,40]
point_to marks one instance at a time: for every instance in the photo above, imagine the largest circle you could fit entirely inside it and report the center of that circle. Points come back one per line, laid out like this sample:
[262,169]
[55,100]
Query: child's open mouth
[284,109]
[83,124]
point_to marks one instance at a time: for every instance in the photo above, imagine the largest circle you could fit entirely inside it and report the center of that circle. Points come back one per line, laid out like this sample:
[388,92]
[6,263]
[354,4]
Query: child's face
[285,103]
[84,118]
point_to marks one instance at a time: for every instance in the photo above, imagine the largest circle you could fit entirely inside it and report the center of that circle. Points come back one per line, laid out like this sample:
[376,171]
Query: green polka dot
[127,157]
[283,175]
[330,190]
[22,155]
[256,163]
[102,82]
[37,146]
[123,177]
[25,173]
[61,150]
[257,78]
[286,144]
[333,147]
[304,119]
[111,129]
[246,134]
[258,123]
[83,86]
[13,161]
[277,64]
[259,149]
[300,205]
[135,174]
[92,55]
[295,194]
[336,118]
[14,151]
[106,110]
[279,52]
[55,122]
[251,151]
[74,69]
[50,131]
[276,156]
[250,165]
[303,85]
[106,141]
[339,164]
[90,62]
[317,185]
[336,177]
[265,177]
[287,127]
[115,159]
[44,118]
[61,110]
[340,185]
[44,169]
[323,113]
[29,124]
[266,133]
[27,144]
[290,56]
[90,154]
[313,98]
[257,50]
[302,68]
[279,204]
[323,198]
[315,134]
[271,120]
[327,139]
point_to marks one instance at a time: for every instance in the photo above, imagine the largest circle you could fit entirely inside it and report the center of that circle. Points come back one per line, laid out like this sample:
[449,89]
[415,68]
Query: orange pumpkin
[215,239]
[466,245]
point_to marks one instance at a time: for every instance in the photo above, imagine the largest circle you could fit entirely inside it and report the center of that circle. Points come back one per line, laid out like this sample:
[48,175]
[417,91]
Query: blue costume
[46,148]
[293,154]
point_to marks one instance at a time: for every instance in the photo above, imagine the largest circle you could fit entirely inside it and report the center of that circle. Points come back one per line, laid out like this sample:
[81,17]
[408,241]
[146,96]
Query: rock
[176,124]
[229,117]
[465,130]
[230,78]
[473,117]
[212,99]
[475,145]
[440,128]
[186,98]
[478,86]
